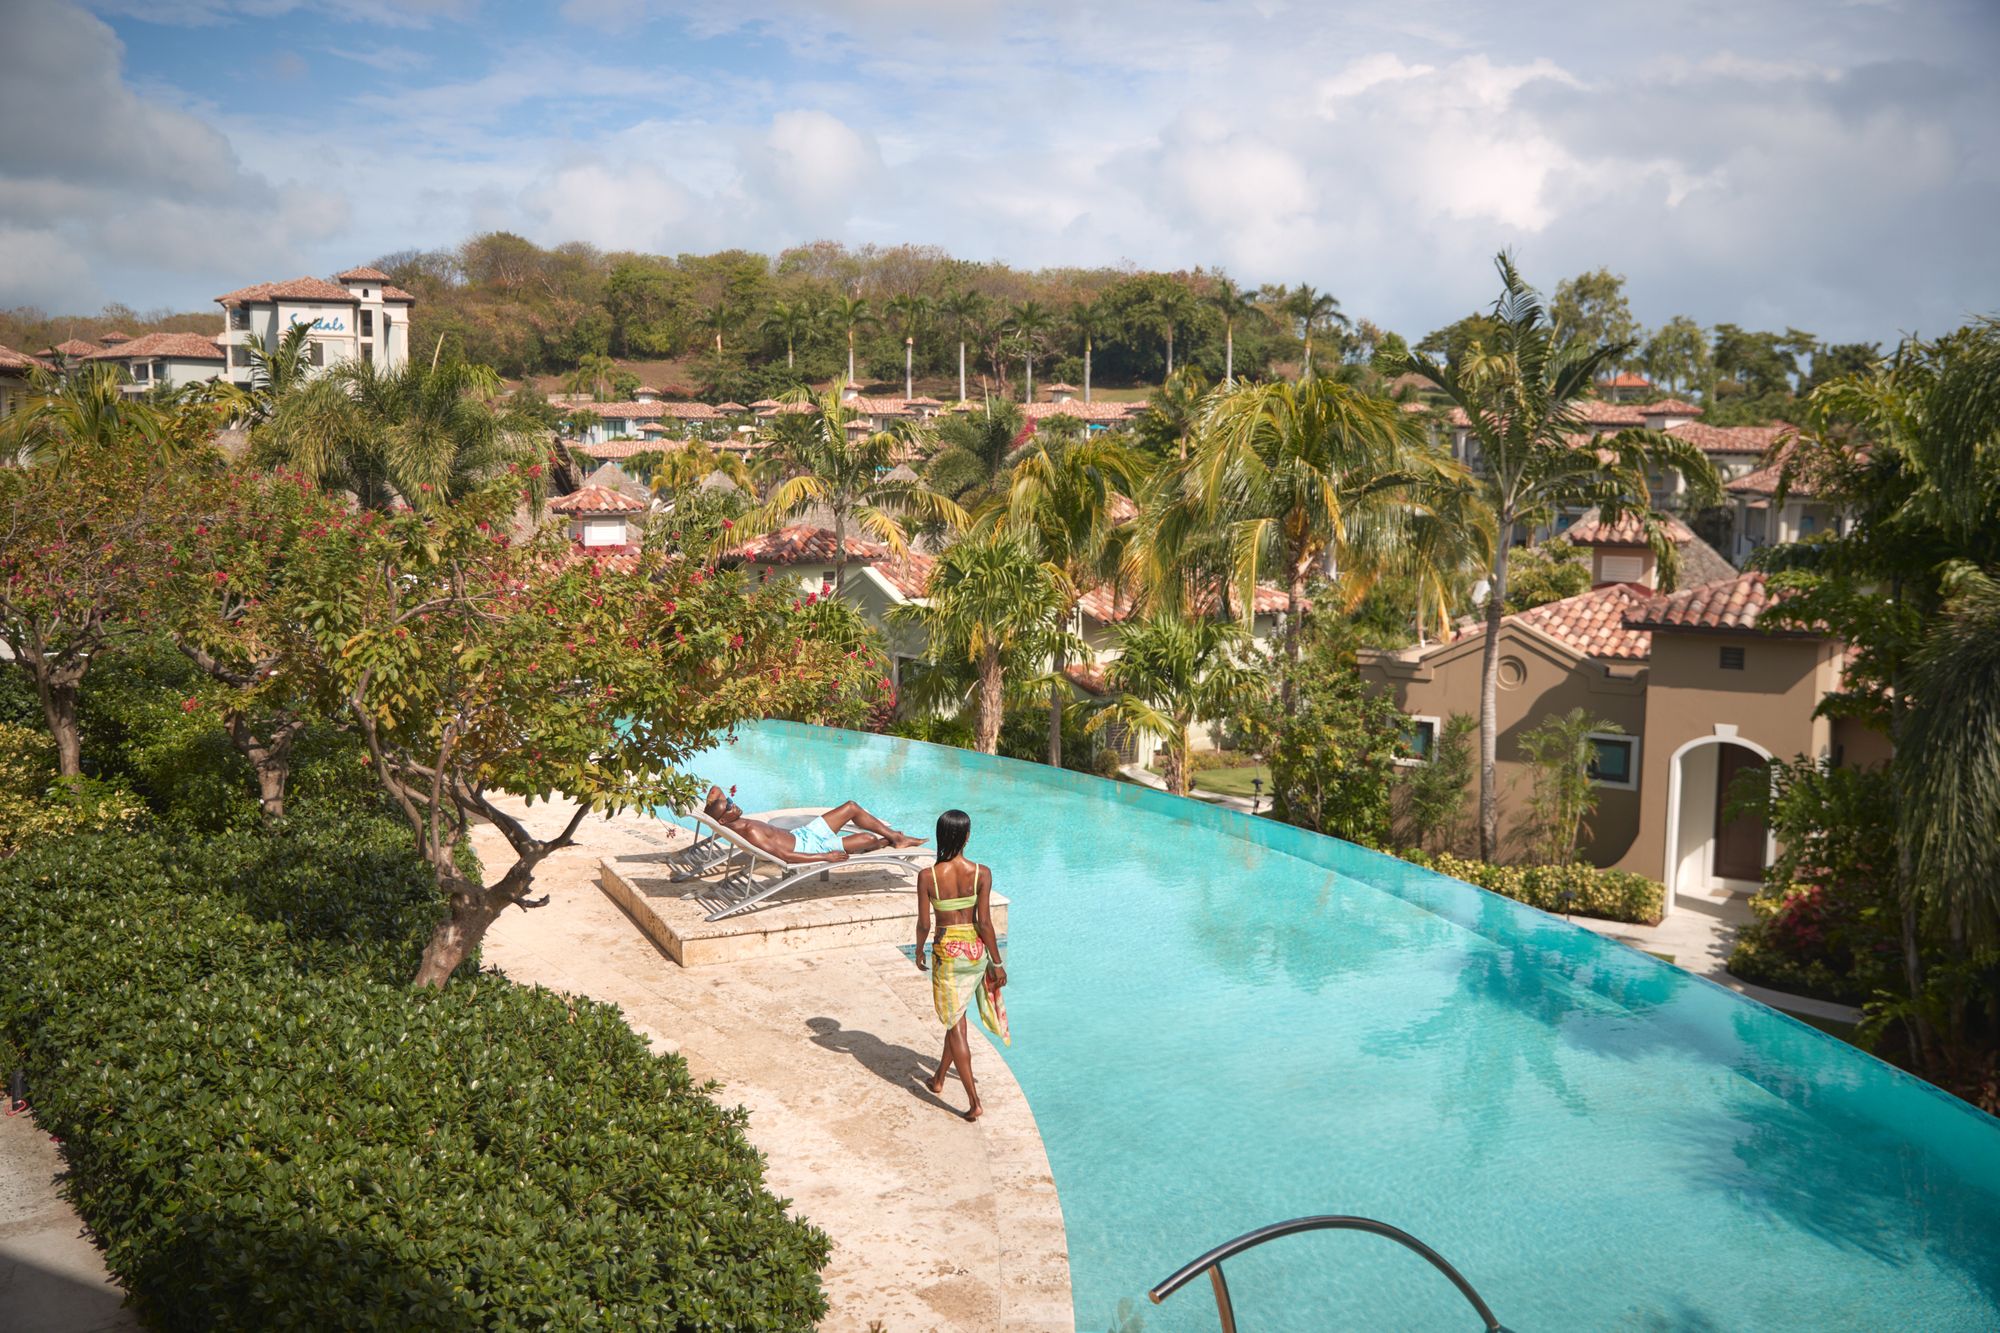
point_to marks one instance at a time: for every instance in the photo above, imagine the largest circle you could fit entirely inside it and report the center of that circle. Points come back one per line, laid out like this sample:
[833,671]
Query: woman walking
[965,956]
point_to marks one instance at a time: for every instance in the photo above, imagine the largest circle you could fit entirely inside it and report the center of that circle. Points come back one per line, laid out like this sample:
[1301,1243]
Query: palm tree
[850,313]
[1170,419]
[1093,323]
[909,312]
[720,318]
[1172,674]
[971,466]
[1297,473]
[1235,307]
[1312,309]
[1520,395]
[1171,306]
[962,309]
[843,470]
[1062,497]
[694,462]
[277,371]
[789,320]
[994,605]
[426,432]
[1029,321]
[594,373]
[86,408]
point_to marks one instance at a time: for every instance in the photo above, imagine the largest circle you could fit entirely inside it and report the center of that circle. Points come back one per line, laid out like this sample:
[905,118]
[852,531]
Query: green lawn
[1230,781]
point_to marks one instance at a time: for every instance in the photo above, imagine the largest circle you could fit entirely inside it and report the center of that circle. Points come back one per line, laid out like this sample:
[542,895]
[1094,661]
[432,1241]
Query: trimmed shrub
[266,1133]
[1582,890]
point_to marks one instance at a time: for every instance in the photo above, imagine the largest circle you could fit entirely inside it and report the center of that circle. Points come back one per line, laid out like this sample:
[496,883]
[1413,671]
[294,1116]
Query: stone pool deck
[937,1224]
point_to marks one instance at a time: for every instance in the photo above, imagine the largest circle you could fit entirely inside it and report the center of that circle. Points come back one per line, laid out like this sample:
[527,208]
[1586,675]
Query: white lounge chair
[751,876]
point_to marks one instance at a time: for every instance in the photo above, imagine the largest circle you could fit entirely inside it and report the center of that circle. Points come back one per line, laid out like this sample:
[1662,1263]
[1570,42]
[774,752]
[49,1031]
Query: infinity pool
[1222,1022]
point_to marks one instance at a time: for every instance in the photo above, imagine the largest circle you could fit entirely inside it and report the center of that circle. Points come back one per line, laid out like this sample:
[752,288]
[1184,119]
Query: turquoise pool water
[1221,1022]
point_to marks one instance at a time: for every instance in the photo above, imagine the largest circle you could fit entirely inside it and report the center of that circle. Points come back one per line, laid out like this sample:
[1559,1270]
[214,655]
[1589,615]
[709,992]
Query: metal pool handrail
[1250,1240]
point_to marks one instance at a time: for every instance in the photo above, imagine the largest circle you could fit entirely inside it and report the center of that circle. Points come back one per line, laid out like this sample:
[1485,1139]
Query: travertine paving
[937,1224]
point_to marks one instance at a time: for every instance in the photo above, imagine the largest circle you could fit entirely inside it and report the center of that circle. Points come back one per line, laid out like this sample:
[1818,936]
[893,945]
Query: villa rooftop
[186,346]
[597,500]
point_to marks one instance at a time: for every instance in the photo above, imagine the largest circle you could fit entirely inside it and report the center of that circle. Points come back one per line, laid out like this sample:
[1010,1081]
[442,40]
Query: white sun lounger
[751,876]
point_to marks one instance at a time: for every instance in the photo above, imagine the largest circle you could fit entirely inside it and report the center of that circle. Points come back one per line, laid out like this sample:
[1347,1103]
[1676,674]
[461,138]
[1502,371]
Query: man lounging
[820,840]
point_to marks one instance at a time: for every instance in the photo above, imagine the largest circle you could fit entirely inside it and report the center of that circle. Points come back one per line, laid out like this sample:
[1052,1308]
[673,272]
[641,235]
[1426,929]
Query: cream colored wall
[1547,680]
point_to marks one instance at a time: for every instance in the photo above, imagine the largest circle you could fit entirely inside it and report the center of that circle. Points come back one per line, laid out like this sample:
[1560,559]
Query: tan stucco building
[1697,691]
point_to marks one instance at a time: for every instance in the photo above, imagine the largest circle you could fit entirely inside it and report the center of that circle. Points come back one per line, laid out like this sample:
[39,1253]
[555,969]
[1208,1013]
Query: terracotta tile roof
[765,402]
[1591,530]
[731,407]
[294,289]
[1123,509]
[876,406]
[921,401]
[615,478]
[909,574]
[597,500]
[1594,623]
[622,411]
[361,275]
[397,294]
[1108,607]
[1732,439]
[616,449]
[1627,380]
[1089,679]
[72,348]
[647,388]
[612,559]
[1727,604]
[1081,410]
[13,360]
[187,346]
[805,544]
[115,336]
[1764,482]
[1670,407]
[1060,386]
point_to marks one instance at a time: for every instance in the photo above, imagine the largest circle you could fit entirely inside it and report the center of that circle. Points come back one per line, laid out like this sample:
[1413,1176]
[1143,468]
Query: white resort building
[358,316]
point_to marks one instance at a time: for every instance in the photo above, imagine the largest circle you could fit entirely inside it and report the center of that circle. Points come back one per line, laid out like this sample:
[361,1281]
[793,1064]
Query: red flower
[189,705]
[736,641]
[727,525]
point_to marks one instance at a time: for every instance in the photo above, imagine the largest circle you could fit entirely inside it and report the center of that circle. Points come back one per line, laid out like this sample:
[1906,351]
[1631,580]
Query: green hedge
[1581,890]
[268,1129]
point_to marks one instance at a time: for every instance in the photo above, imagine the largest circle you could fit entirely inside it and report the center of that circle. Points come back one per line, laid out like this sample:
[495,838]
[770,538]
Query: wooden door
[1739,842]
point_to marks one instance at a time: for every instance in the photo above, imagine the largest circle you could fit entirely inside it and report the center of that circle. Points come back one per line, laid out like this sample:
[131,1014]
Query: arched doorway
[1709,850]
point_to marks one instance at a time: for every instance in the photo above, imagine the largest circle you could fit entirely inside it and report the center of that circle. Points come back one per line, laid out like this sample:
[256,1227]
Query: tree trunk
[1170,351]
[1295,591]
[270,759]
[839,548]
[987,729]
[961,370]
[1229,353]
[909,355]
[1489,700]
[850,354]
[1305,372]
[1923,1041]
[1177,764]
[1056,689]
[1031,381]
[1086,370]
[59,711]
[788,354]
[473,909]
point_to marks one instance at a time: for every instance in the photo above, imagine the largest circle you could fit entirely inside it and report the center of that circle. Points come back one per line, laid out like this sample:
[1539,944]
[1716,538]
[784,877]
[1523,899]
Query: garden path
[52,1279]
[936,1223]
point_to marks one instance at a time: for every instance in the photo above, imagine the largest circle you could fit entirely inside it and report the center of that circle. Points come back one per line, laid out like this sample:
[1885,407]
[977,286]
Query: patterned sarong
[958,972]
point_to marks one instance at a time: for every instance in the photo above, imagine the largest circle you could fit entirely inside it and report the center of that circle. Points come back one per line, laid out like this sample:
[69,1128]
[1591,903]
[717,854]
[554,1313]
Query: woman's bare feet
[936,1085]
[899,839]
[975,1111]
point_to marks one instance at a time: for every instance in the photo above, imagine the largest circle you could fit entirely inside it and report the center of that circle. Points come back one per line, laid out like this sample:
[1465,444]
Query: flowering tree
[235,604]
[472,666]
[78,559]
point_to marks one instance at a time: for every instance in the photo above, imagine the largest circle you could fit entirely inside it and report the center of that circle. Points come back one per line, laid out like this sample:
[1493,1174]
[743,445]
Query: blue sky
[1831,166]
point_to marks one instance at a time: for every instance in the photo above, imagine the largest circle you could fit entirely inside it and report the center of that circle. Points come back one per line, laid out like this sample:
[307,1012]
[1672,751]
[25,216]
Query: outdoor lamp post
[1257,790]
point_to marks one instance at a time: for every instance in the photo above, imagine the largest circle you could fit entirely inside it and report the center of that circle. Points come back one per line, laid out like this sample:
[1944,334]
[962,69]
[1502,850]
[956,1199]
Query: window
[826,582]
[1420,738]
[315,354]
[368,323]
[1614,760]
[239,318]
[1732,659]
[367,354]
